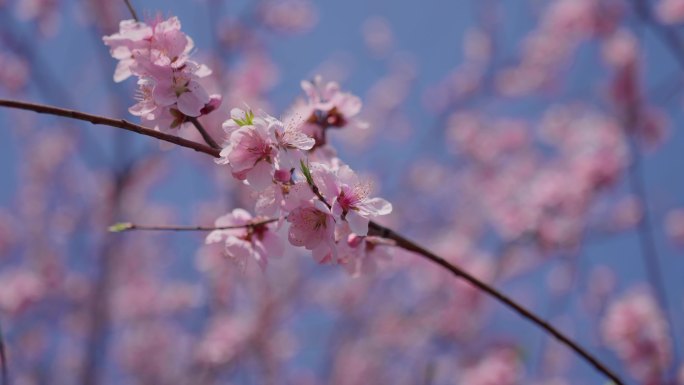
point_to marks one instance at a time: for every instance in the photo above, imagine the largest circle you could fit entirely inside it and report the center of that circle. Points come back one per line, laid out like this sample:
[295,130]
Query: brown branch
[374,229]
[205,135]
[131,10]
[118,123]
[127,226]
[668,36]
[404,243]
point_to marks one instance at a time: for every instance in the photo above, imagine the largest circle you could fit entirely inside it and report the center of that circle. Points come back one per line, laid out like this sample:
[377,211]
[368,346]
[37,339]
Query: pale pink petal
[357,223]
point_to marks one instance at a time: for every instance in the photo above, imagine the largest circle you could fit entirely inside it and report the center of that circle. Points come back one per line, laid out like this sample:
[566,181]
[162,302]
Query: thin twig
[668,36]
[374,229]
[131,226]
[649,250]
[131,10]
[205,135]
[4,372]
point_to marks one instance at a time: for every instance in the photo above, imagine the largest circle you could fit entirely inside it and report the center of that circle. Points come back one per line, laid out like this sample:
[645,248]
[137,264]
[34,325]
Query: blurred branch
[649,250]
[429,373]
[665,34]
[4,372]
[374,228]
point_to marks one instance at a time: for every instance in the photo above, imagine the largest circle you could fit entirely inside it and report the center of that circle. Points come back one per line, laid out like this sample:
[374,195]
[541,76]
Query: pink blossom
[132,36]
[179,88]
[257,242]
[331,107]
[251,153]
[327,107]
[312,226]
[139,47]
[258,146]
[169,88]
[291,140]
[349,196]
[146,102]
[22,288]
[359,255]
[168,45]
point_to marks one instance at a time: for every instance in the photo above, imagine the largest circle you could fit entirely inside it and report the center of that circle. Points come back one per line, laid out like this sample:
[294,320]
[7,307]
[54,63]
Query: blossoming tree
[103,284]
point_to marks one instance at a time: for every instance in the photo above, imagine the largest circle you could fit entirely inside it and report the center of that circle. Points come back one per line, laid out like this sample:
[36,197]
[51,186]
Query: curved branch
[374,229]
[118,123]
[406,244]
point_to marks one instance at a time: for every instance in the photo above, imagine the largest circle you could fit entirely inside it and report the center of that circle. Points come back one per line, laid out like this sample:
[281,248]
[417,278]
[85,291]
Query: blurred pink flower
[501,366]
[257,242]
[670,11]
[635,328]
[674,226]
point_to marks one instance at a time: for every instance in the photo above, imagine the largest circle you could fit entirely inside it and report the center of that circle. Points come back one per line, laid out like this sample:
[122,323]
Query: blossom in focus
[349,196]
[169,91]
[312,226]
[257,147]
[255,240]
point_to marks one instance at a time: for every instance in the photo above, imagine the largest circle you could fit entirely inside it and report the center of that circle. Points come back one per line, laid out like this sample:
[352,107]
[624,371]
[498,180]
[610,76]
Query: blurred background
[535,143]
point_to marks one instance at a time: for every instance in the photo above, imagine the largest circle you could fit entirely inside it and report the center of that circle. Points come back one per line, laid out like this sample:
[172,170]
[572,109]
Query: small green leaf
[306,172]
[247,121]
[119,227]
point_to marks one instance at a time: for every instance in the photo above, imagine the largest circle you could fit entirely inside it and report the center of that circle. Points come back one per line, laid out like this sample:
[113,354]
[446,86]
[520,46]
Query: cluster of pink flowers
[324,205]
[169,91]
[534,194]
[636,329]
